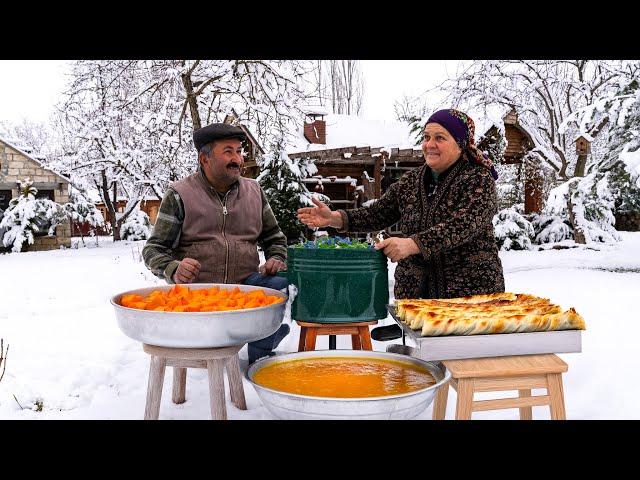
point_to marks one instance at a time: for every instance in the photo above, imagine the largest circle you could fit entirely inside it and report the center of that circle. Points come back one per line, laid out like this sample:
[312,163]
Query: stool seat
[359,331]
[518,372]
[213,359]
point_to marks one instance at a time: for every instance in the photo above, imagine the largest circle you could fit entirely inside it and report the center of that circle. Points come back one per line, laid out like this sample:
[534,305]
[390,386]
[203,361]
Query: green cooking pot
[338,285]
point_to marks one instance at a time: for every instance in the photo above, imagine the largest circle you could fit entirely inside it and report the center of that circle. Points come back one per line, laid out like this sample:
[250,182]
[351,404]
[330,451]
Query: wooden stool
[213,359]
[359,331]
[522,373]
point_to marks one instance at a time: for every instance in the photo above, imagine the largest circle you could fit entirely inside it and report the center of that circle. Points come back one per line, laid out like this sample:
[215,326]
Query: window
[46,194]
[5,198]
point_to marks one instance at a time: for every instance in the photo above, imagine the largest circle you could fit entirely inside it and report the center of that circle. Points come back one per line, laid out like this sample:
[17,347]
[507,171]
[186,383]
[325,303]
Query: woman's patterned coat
[452,227]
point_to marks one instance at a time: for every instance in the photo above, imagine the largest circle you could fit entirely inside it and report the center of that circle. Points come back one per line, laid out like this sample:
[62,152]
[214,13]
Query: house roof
[584,135]
[353,131]
[233,119]
[30,157]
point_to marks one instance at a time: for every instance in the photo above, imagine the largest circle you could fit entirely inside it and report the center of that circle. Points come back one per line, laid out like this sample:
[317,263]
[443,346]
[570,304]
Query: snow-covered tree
[137,226]
[127,125]
[613,184]
[414,111]
[27,217]
[281,178]
[512,230]
[544,93]
[82,211]
[588,204]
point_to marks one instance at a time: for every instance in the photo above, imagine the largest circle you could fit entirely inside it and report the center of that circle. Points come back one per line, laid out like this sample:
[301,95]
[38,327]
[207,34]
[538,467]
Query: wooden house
[518,144]
[357,159]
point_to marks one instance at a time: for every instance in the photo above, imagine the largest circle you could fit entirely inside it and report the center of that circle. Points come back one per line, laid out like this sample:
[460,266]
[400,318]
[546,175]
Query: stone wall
[14,167]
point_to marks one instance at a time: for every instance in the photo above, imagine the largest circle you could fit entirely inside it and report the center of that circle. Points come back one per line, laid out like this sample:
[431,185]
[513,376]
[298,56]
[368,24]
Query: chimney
[316,131]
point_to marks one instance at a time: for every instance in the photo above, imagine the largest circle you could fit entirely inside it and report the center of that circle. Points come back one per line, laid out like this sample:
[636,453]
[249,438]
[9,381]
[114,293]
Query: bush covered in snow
[136,227]
[551,229]
[81,211]
[512,230]
[28,217]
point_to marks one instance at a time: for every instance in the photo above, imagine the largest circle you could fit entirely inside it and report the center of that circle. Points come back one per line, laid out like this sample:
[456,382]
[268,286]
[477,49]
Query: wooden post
[556,395]
[525,412]
[301,341]
[216,389]
[464,403]
[440,403]
[179,385]
[235,382]
[154,388]
[377,177]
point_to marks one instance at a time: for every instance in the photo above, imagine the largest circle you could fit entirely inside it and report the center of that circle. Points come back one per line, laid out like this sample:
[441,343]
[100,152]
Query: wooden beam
[377,177]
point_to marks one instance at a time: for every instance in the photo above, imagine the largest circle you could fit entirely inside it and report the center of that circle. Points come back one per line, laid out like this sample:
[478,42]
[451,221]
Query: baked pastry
[486,314]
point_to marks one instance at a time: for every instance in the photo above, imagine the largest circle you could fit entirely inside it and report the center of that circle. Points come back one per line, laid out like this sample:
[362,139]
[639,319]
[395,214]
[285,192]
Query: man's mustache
[233,164]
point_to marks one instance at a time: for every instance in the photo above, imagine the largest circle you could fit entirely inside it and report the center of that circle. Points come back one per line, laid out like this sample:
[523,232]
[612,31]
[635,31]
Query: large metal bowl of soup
[359,405]
[199,329]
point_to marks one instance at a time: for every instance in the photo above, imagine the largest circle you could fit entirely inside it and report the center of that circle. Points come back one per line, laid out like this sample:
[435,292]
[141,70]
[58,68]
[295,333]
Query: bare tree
[339,83]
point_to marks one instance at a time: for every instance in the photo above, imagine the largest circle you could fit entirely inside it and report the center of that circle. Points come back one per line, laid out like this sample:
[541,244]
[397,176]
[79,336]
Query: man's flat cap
[216,131]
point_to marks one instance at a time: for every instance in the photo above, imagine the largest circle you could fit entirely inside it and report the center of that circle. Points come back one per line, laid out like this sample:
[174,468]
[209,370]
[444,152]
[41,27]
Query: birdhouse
[583,144]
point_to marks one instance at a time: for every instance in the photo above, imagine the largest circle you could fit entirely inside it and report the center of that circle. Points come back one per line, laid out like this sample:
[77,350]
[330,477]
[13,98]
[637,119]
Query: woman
[445,209]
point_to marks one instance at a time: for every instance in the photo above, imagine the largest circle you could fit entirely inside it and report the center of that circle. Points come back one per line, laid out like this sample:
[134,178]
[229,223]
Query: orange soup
[344,377]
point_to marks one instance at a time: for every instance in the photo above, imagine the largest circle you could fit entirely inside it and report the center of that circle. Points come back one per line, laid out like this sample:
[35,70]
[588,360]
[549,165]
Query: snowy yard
[69,360]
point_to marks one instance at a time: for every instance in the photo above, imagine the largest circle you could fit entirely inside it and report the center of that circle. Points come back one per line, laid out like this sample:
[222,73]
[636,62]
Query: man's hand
[187,271]
[397,248]
[272,266]
[318,216]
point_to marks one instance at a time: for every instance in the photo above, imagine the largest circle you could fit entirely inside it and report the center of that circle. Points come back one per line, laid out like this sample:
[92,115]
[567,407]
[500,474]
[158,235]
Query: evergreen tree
[281,179]
[512,230]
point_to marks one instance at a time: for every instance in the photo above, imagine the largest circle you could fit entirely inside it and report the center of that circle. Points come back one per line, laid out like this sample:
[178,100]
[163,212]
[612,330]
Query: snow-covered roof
[31,157]
[585,135]
[315,109]
[352,131]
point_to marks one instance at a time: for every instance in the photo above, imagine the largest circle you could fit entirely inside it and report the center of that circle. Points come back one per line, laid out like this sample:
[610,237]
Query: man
[210,223]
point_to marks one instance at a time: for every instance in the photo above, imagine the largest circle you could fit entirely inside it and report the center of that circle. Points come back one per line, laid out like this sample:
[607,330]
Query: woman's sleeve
[474,213]
[381,214]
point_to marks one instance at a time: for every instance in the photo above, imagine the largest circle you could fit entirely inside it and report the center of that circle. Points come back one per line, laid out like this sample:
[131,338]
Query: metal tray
[455,347]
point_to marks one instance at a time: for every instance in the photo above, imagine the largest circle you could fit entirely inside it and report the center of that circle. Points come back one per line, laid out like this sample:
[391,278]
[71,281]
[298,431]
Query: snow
[632,164]
[68,355]
[353,131]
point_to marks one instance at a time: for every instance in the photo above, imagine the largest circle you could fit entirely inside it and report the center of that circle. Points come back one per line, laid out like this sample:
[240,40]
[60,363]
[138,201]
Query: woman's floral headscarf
[462,129]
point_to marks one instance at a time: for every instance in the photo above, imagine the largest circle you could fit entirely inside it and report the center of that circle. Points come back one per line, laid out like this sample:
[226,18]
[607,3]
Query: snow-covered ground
[68,359]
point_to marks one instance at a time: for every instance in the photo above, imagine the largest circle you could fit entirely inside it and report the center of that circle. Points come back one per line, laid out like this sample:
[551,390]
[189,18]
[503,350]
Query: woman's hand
[318,216]
[398,248]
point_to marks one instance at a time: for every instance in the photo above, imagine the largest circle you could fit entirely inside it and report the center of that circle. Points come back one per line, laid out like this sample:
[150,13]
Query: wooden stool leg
[301,342]
[355,341]
[310,339]
[365,338]
[525,412]
[464,403]
[235,382]
[179,385]
[440,402]
[154,387]
[556,396]
[216,389]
